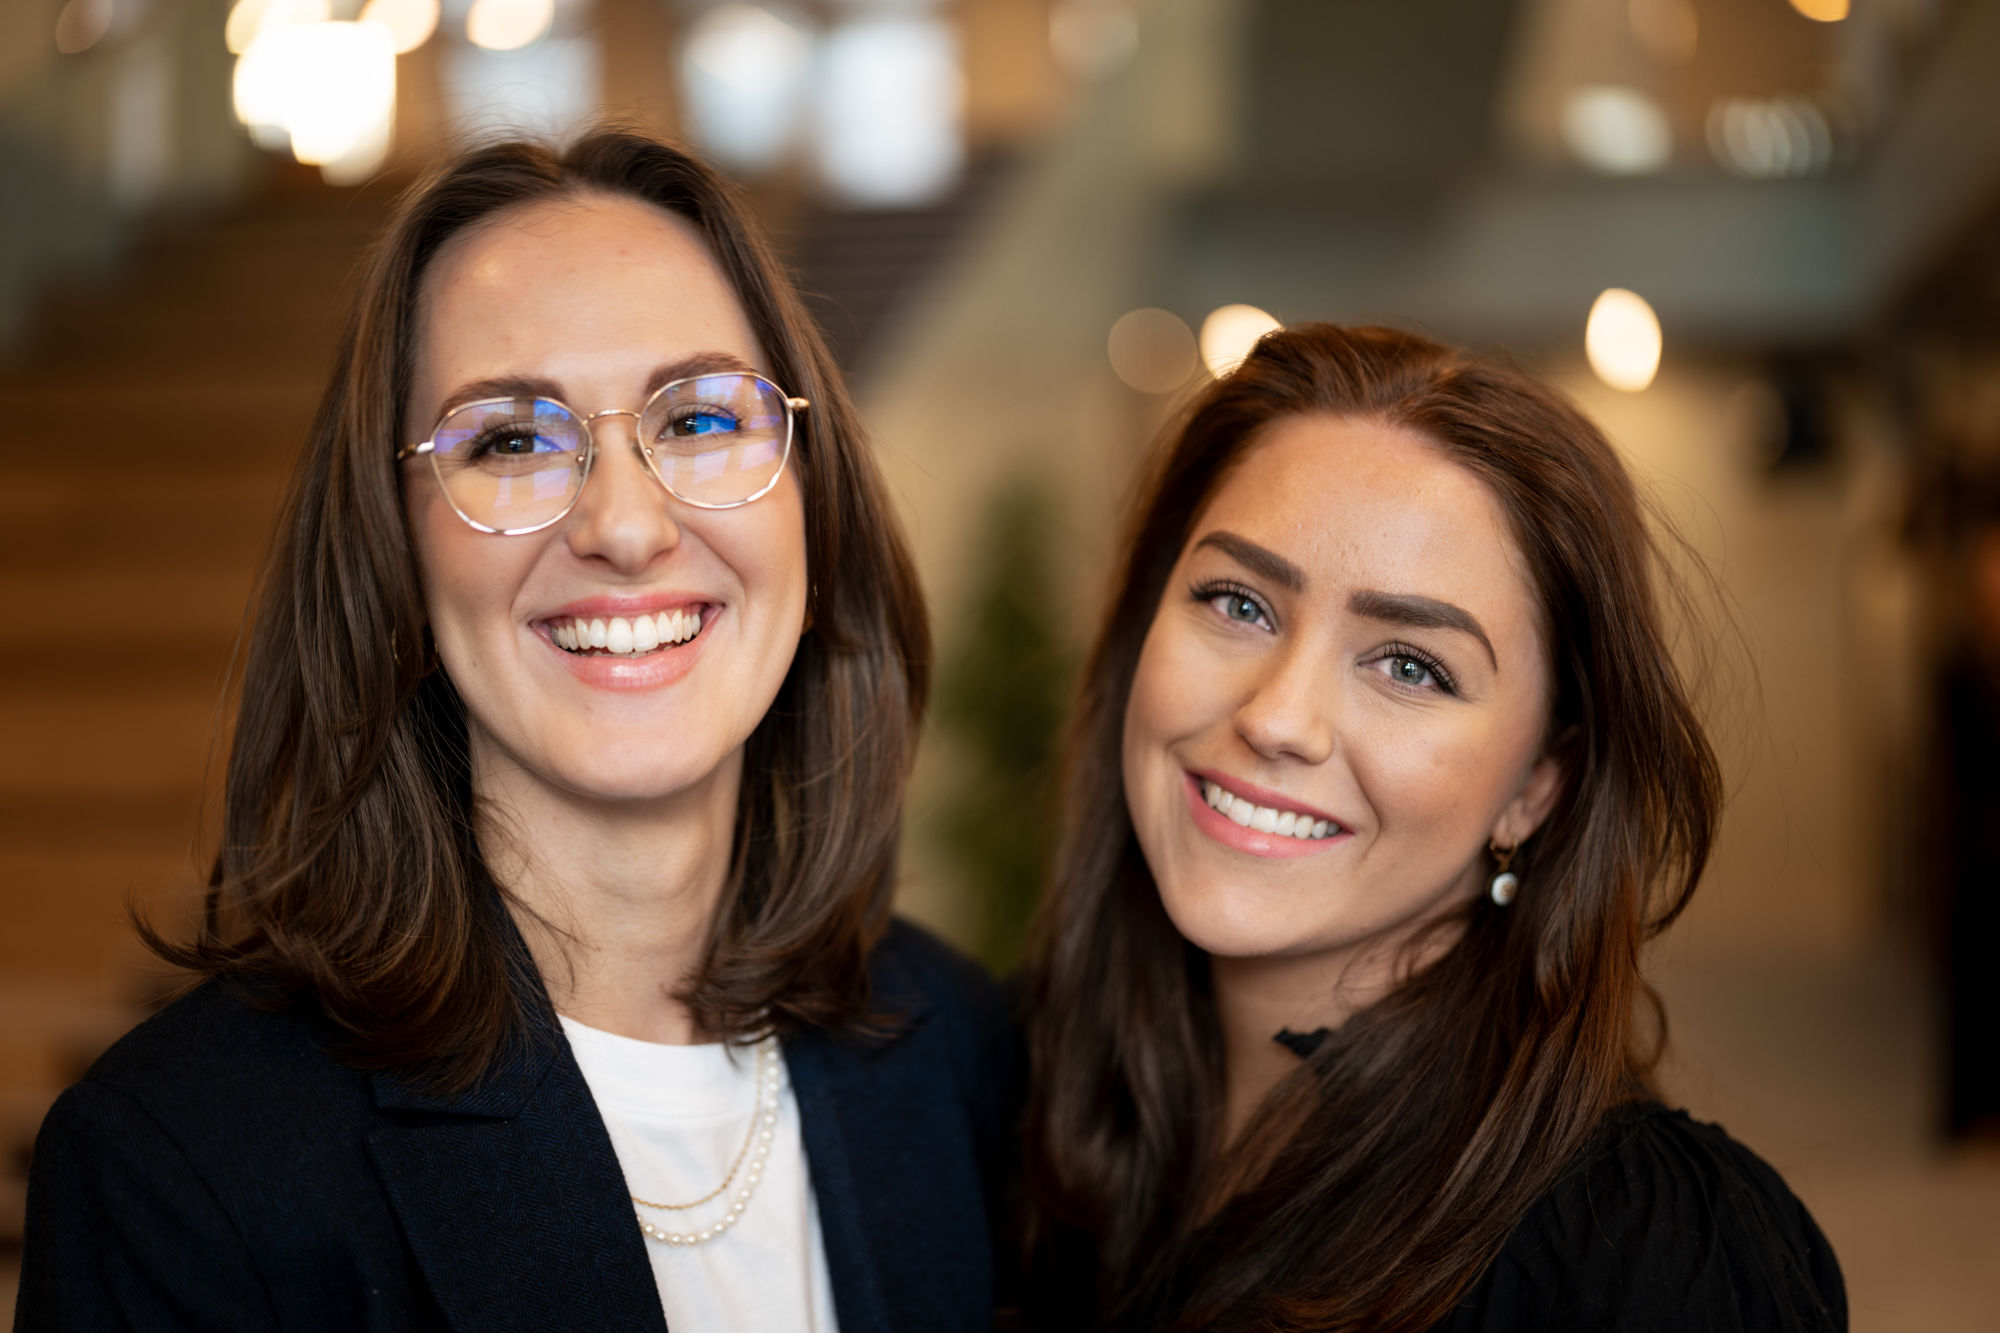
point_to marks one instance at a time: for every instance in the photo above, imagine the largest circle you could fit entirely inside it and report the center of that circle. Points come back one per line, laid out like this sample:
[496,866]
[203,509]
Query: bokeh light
[1822,11]
[1093,38]
[1622,340]
[1228,334]
[1152,350]
[247,18]
[1617,131]
[81,24]
[327,88]
[890,101]
[1770,137]
[410,22]
[508,25]
[743,74]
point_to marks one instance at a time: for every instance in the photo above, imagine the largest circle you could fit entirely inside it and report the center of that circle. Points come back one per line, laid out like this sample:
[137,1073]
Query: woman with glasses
[1381,779]
[551,978]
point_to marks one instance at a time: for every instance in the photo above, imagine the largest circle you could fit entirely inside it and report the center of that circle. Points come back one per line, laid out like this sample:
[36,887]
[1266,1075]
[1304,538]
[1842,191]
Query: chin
[1231,928]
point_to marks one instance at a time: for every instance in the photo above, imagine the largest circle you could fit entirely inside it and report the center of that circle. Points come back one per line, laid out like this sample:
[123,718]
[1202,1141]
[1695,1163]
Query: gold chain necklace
[763,1129]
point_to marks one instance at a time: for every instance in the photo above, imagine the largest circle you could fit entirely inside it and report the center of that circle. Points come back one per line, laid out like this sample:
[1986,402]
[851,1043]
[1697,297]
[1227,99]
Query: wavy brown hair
[349,877]
[1384,1175]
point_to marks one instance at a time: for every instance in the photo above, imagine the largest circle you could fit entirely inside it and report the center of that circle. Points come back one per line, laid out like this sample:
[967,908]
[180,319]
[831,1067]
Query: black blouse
[1667,1224]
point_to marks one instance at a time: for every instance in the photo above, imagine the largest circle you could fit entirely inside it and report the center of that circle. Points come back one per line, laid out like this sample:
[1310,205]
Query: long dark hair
[1378,1181]
[349,876]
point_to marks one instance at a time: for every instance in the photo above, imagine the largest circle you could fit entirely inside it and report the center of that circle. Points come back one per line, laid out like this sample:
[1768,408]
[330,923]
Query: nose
[623,516]
[1292,708]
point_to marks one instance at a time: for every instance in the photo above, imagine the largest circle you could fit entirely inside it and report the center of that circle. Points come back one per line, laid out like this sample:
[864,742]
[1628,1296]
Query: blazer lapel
[511,1199]
[893,1172]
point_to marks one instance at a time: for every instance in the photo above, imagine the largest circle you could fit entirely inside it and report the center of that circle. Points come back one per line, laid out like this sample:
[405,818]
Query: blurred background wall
[1758,240]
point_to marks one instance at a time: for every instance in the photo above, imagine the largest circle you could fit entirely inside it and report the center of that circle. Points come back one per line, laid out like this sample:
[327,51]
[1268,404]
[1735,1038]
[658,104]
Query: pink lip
[627,605]
[659,668]
[1276,846]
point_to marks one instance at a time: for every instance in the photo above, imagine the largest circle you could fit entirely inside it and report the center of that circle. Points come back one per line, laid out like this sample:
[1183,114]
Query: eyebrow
[1394,608]
[1402,608]
[1257,559]
[538,386]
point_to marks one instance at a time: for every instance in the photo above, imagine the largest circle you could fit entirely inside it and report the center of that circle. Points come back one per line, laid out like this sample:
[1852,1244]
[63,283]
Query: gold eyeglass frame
[644,451]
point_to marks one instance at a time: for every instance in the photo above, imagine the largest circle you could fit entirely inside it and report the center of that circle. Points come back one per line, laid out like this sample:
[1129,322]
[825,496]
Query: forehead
[1364,505]
[574,280]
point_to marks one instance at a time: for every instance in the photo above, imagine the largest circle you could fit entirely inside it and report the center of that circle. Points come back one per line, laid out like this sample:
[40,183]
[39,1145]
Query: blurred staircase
[153,421]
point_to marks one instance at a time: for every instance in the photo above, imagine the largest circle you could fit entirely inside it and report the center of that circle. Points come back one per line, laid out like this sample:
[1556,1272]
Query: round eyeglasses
[515,465]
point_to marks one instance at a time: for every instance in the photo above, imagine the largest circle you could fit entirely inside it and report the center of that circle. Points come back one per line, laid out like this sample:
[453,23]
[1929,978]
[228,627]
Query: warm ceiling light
[1622,340]
[507,25]
[1822,11]
[1153,351]
[247,18]
[410,22]
[1228,334]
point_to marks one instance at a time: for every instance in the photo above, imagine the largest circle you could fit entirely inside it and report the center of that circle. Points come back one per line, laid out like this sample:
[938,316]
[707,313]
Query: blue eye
[1409,671]
[1238,607]
[703,423]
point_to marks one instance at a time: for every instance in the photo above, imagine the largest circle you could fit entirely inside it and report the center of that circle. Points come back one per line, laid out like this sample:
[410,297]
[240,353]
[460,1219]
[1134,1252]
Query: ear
[1520,817]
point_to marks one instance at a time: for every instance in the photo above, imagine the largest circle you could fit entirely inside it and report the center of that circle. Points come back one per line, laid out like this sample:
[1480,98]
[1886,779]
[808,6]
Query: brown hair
[349,876]
[1393,1164]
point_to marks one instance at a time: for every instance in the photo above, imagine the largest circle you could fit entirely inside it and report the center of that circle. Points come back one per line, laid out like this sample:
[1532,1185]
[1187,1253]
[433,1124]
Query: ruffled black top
[1666,1224]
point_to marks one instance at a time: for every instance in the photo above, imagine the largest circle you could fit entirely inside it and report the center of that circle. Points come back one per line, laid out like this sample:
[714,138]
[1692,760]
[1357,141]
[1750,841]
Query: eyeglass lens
[512,464]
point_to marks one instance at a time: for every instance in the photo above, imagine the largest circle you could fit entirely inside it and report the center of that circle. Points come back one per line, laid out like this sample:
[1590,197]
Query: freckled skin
[594,293]
[1296,693]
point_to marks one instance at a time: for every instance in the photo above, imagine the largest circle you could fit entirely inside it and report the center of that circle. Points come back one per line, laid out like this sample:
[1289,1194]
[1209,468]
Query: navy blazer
[218,1169]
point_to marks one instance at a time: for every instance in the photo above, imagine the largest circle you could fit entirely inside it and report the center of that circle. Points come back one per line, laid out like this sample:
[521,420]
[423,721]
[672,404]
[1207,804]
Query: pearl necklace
[763,1129]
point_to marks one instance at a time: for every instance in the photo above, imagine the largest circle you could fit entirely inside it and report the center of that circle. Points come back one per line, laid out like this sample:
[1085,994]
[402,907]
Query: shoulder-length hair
[1375,1183]
[349,876]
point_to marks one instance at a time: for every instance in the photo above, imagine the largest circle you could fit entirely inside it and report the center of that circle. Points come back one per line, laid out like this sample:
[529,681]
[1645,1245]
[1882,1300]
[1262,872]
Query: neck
[615,899]
[1257,997]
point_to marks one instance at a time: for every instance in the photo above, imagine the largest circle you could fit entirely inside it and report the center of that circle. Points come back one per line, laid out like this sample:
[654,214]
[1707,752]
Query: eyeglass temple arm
[798,404]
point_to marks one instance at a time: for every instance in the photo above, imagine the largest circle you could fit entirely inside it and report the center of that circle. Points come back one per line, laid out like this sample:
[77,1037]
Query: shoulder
[229,1084]
[1666,1222]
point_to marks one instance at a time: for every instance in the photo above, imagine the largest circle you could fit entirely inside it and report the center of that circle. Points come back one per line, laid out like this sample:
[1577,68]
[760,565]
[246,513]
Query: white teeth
[623,637]
[1263,818]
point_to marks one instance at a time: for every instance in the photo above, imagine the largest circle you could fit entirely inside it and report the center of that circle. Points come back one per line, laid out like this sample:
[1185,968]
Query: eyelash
[1423,659]
[1208,592]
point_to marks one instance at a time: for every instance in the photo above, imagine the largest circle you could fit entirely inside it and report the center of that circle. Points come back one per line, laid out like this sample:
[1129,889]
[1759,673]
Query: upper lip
[627,605]
[1250,791]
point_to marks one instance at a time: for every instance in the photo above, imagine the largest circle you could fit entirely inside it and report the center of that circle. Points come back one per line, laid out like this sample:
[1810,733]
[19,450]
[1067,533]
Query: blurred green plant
[1001,695]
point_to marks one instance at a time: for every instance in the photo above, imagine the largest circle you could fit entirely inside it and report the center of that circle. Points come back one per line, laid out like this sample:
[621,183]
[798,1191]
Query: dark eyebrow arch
[536,386]
[1257,559]
[1399,608]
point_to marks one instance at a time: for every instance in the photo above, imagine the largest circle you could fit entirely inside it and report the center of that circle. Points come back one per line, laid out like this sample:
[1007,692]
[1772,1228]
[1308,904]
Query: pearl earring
[1505,882]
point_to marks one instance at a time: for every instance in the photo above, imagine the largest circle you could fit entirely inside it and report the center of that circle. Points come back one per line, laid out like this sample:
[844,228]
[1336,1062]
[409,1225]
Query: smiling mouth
[622,636]
[1264,819]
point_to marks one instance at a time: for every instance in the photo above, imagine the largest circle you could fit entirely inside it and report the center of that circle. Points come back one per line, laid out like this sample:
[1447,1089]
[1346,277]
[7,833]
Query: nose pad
[622,514]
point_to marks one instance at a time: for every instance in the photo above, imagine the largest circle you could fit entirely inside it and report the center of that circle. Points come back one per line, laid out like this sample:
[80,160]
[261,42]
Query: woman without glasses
[553,984]
[1381,779]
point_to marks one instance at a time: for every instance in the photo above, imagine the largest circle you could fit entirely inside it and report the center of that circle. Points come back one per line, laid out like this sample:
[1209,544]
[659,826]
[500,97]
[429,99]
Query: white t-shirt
[677,1117]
